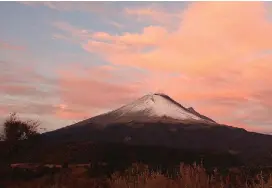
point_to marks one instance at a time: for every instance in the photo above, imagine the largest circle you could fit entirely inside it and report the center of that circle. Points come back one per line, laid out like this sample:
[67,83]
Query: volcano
[154,121]
[150,108]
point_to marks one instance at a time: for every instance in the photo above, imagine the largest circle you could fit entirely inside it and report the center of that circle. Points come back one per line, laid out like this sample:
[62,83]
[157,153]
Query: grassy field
[136,176]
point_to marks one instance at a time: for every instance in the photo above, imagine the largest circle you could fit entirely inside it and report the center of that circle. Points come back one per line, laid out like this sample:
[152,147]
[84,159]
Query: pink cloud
[63,112]
[8,46]
[155,14]
[24,91]
[215,51]
[85,90]
[151,35]
[216,47]
[22,80]
[3,112]
[68,28]
[117,25]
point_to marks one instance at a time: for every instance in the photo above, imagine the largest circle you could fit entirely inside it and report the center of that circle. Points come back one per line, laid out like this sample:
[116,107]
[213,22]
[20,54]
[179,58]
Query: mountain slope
[158,121]
[153,107]
[192,110]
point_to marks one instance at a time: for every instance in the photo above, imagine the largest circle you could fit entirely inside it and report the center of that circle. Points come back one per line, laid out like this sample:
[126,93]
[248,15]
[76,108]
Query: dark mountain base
[105,159]
[250,148]
[120,154]
[155,144]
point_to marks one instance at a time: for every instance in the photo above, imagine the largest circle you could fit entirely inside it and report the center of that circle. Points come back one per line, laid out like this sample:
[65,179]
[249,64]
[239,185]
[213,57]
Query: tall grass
[139,176]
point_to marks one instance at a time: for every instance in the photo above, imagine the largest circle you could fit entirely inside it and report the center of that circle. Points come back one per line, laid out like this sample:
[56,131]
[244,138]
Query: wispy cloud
[22,90]
[9,46]
[70,6]
[87,89]
[154,15]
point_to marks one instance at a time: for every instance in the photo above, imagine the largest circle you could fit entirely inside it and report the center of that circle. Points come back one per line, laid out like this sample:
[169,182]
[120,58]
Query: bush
[15,129]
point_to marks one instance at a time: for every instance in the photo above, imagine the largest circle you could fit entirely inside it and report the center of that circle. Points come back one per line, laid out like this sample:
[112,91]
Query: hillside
[151,122]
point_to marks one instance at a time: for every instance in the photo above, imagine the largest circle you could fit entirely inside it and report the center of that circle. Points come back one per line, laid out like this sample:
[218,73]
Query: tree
[15,129]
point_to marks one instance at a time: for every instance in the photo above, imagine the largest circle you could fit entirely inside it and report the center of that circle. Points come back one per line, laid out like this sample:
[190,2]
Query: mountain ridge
[156,121]
[149,107]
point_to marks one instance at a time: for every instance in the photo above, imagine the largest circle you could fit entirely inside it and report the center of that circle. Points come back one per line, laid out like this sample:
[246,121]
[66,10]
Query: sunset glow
[61,62]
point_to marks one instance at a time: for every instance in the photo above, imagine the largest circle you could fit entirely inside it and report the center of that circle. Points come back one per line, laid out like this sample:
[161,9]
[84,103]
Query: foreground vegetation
[136,176]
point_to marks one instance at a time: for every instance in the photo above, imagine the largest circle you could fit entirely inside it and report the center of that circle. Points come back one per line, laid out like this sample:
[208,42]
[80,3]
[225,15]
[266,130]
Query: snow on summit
[152,107]
[155,105]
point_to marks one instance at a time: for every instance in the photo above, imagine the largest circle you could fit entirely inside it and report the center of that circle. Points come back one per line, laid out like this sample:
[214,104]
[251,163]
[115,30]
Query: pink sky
[213,56]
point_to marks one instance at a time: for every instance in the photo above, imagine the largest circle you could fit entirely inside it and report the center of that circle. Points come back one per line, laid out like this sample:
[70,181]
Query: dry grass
[139,176]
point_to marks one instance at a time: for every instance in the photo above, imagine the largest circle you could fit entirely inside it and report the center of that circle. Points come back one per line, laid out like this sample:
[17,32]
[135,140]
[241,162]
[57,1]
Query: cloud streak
[9,46]
[88,90]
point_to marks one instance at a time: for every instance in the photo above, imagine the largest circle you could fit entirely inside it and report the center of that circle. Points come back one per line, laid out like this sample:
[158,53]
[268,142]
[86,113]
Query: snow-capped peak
[155,105]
